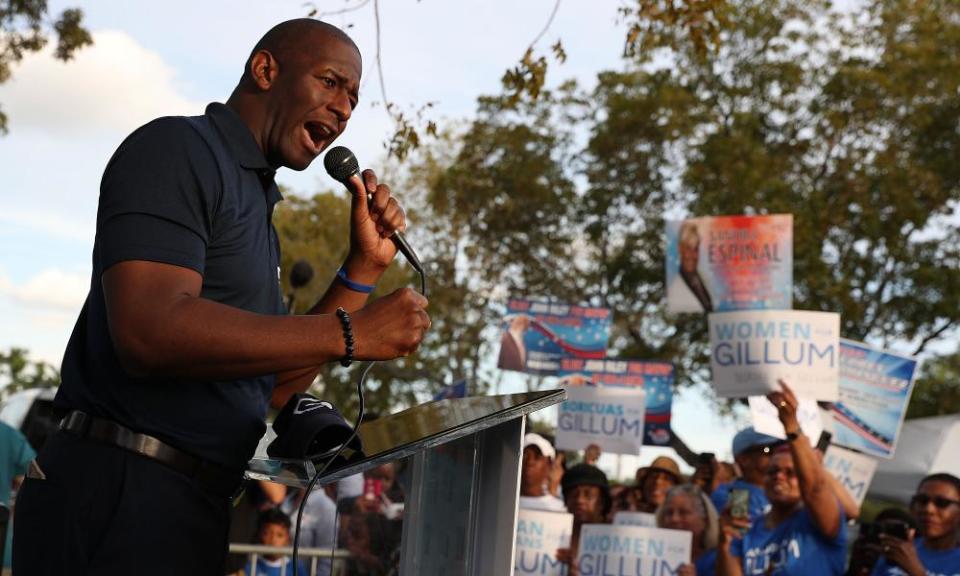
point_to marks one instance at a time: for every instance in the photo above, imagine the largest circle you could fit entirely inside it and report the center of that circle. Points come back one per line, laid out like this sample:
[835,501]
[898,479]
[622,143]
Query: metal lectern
[461,510]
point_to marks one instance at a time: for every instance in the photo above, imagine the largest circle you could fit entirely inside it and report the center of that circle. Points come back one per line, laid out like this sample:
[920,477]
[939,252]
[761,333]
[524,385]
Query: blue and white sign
[539,535]
[875,388]
[632,550]
[656,379]
[852,469]
[751,351]
[610,417]
[630,518]
[537,335]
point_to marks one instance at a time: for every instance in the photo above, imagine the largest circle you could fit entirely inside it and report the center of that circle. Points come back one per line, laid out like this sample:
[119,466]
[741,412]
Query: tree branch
[933,336]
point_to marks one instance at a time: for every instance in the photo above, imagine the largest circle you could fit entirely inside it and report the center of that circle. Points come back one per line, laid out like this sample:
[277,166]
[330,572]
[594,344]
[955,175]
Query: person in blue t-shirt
[936,506]
[751,451]
[804,533]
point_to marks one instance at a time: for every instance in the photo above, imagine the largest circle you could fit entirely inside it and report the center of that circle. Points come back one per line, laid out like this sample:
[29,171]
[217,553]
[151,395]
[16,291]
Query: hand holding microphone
[393,325]
[376,215]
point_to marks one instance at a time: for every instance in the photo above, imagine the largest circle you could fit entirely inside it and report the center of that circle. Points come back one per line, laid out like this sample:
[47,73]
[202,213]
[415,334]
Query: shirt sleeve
[158,197]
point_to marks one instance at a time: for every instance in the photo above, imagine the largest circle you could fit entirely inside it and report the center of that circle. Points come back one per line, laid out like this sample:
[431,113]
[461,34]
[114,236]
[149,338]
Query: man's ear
[264,69]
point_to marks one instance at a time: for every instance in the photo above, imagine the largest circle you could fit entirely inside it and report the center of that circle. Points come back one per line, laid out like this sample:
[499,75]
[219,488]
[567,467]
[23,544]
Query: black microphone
[341,164]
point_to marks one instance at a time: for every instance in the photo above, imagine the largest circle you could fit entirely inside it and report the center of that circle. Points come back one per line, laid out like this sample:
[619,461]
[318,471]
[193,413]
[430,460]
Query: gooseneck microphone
[341,164]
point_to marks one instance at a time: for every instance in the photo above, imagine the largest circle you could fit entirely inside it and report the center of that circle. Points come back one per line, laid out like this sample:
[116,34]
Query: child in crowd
[273,529]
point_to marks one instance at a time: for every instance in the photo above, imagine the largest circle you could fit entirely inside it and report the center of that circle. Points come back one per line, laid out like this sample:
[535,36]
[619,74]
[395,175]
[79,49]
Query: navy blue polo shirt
[195,192]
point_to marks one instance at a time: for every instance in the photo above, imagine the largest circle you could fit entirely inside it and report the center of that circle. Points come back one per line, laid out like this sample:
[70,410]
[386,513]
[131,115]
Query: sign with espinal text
[722,263]
[751,351]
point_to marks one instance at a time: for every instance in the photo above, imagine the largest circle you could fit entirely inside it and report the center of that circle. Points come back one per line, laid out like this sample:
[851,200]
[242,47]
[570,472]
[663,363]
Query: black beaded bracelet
[347,337]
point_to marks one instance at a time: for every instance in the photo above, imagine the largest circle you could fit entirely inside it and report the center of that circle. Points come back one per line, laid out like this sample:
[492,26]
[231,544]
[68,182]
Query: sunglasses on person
[921,500]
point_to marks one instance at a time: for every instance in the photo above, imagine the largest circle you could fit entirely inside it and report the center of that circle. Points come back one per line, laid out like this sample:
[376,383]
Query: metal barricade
[309,556]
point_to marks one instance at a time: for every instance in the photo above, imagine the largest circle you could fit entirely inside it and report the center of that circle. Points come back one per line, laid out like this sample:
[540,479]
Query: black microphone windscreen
[301,274]
[341,164]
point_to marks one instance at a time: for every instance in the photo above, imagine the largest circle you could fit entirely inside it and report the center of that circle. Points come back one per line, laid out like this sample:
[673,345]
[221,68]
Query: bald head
[287,41]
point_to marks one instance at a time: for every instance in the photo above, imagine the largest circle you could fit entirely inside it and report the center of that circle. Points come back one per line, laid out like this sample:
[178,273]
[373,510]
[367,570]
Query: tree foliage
[937,389]
[18,372]
[847,120]
[25,28]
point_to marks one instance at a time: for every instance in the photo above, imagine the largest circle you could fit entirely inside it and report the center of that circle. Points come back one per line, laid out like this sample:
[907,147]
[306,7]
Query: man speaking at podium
[183,339]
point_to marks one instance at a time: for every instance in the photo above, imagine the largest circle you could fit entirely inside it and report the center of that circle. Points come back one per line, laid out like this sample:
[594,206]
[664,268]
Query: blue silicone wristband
[355,286]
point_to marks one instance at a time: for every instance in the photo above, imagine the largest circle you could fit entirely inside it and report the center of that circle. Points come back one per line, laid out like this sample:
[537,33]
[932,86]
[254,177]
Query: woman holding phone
[804,533]
[934,548]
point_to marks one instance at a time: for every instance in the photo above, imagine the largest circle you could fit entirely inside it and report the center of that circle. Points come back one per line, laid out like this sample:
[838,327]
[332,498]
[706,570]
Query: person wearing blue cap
[751,451]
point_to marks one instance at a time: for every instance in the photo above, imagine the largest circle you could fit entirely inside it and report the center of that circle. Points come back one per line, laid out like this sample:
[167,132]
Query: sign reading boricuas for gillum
[751,351]
[539,535]
[610,417]
[655,378]
[875,388]
[631,550]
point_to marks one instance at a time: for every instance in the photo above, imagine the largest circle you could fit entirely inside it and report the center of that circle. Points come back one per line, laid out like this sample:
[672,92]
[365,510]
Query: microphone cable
[318,475]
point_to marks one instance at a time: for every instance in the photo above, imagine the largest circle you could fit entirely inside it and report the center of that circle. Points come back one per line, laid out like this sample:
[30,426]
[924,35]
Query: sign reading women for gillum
[539,535]
[609,416]
[721,263]
[632,551]
[655,378]
[751,351]
[537,335]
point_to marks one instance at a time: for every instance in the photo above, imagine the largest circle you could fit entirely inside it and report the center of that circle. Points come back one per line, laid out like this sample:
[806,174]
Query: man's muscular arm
[160,326]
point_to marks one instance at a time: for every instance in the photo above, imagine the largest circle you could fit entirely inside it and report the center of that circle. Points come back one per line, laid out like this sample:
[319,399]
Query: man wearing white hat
[538,456]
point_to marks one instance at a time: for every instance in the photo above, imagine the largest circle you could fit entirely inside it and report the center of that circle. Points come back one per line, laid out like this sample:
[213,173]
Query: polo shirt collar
[239,138]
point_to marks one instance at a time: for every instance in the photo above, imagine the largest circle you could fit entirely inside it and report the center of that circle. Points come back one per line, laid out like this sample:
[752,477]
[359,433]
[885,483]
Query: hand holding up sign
[786,403]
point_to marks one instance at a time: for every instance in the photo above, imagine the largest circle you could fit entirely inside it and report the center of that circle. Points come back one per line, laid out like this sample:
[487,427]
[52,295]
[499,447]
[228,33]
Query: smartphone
[739,503]
[824,442]
[895,528]
[372,488]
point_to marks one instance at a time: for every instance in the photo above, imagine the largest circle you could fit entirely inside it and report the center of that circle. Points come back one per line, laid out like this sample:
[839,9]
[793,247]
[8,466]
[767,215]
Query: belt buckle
[77,422]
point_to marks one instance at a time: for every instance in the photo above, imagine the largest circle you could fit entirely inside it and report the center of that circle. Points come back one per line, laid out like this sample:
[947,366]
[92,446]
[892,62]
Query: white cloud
[116,84]
[59,291]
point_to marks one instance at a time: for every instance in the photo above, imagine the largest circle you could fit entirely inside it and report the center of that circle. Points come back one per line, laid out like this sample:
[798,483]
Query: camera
[895,528]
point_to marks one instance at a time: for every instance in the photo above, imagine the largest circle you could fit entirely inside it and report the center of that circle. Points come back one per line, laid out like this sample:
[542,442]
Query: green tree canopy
[25,27]
[847,120]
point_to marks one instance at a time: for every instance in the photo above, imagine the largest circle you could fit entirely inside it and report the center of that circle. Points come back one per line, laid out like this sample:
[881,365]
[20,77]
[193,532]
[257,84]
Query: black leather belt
[213,477]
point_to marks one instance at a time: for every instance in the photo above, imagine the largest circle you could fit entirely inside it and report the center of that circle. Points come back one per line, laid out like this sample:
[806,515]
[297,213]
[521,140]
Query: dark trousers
[103,510]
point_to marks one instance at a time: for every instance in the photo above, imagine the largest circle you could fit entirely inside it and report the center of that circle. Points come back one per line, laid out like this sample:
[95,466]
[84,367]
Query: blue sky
[161,58]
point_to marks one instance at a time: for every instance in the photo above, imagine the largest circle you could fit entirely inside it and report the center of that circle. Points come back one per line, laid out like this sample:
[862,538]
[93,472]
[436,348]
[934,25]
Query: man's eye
[328,82]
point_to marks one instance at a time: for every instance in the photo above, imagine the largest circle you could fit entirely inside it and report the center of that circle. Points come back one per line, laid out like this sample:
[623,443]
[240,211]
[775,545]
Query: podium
[460,513]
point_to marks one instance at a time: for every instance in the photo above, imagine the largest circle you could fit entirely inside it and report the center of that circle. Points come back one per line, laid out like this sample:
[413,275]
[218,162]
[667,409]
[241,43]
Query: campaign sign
[539,535]
[536,335]
[632,550]
[723,263]
[751,351]
[875,388]
[629,518]
[610,417]
[767,421]
[656,379]
[852,469]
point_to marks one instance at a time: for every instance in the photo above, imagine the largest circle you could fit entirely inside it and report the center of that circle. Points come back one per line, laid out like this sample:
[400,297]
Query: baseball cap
[546,448]
[309,428]
[749,438]
[668,465]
